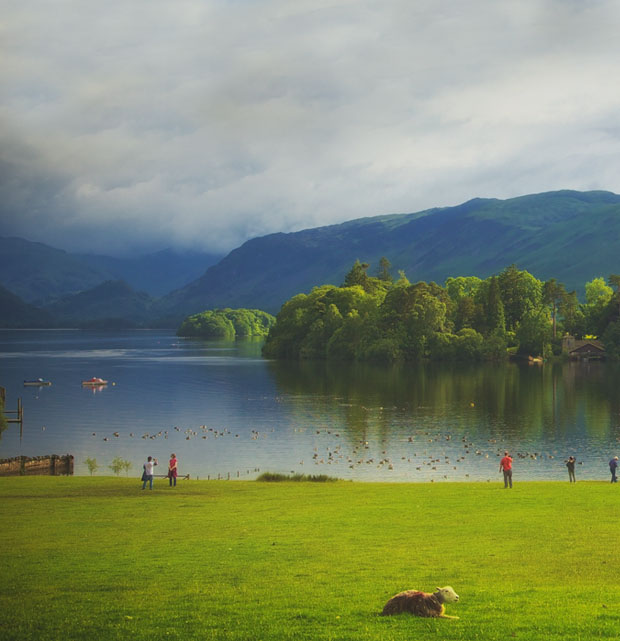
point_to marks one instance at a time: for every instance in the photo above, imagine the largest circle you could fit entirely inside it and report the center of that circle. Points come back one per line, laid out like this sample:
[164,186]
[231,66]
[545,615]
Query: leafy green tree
[442,346]
[598,310]
[384,350]
[534,332]
[462,292]
[358,276]
[598,293]
[571,312]
[412,314]
[227,324]
[306,323]
[611,340]
[347,342]
[494,346]
[92,465]
[520,293]
[465,313]
[469,345]
[119,464]
[462,286]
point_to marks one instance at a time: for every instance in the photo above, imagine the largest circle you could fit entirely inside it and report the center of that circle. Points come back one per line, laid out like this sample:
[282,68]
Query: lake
[228,413]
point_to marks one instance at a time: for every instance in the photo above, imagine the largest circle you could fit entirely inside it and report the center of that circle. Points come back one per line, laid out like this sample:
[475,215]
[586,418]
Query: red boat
[93,382]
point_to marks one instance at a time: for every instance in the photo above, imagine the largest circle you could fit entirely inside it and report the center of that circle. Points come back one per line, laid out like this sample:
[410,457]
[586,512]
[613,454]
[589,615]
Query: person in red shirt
[505,466]
[173,470]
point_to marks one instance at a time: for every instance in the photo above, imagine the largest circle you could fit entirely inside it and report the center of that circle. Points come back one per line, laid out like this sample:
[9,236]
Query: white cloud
[205,123]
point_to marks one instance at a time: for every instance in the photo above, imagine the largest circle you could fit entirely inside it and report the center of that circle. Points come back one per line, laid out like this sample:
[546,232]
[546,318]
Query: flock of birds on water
[360,456]
[414,451]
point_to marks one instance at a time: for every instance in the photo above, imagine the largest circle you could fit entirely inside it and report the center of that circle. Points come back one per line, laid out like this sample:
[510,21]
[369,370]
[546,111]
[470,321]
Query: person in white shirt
[147,475]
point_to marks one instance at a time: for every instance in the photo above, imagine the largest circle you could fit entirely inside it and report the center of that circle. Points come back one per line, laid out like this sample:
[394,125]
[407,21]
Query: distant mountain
[158,273]
[14,312]
[41,274]
[568,235]
[38,273]
[113,304]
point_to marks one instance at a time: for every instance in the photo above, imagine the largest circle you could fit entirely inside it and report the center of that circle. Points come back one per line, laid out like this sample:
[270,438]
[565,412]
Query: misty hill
[14,312]
[111,304]
[41,274]
[568,235]
[37,273]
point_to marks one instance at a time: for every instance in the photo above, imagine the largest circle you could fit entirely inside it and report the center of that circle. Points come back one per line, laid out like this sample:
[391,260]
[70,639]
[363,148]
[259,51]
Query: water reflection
[456,412]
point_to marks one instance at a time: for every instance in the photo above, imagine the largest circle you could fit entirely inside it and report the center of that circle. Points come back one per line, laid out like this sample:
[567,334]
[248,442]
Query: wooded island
[378,318]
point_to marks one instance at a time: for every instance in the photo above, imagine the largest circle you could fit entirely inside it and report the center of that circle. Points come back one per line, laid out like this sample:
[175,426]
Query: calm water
[225,411]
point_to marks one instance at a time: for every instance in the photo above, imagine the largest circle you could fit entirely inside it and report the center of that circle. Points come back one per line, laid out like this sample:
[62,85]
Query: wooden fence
[52,465]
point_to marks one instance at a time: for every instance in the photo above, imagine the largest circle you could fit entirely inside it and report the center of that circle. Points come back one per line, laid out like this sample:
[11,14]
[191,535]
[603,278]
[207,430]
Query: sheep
[422,604]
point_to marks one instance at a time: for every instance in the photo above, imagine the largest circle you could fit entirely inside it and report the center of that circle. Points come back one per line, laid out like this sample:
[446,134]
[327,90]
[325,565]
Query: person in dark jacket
[570,464]
[613,466]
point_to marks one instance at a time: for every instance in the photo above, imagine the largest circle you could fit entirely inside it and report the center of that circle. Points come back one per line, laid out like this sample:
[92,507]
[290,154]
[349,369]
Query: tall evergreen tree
[552,295]
[614,281]
[496,319]
[384,270]
[357,275]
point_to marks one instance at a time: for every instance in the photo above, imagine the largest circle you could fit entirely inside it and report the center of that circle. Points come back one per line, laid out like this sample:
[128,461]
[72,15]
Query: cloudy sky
[134,125]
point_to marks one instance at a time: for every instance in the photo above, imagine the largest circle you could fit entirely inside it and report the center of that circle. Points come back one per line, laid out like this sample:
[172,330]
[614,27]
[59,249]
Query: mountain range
[568,235]
[40,274]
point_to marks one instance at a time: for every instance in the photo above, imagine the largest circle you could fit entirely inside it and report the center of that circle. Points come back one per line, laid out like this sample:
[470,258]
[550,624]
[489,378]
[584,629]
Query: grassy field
[98,558]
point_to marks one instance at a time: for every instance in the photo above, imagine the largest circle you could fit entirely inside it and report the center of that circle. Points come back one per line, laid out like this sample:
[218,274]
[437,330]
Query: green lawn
[98,558]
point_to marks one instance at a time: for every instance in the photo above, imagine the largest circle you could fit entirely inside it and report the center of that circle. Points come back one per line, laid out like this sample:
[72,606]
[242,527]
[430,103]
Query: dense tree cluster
[227,323]
[381,319]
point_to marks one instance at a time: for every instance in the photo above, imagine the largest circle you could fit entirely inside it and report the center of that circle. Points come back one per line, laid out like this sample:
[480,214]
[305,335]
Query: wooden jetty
[51,465]
[12,416]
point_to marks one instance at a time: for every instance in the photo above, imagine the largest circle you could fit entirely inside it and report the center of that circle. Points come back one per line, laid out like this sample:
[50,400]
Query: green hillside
[567,235]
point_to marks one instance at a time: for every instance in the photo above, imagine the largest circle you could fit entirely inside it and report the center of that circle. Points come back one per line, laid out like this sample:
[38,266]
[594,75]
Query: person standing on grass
[505,466]
[148,472]
[613,466]
[172,470]
[570,464]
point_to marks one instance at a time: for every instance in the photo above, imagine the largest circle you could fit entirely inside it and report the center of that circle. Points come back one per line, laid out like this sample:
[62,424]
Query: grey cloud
[202,124]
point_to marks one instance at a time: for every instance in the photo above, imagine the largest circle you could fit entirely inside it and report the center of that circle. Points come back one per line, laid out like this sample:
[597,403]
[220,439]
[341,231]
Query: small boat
[94,382]
[39,382]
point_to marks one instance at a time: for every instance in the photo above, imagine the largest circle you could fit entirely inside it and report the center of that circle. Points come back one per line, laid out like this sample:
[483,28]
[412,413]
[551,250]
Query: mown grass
[97,558]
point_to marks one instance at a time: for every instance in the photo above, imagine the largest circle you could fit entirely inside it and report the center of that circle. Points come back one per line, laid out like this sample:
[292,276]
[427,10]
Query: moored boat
[94,381]
[38,382]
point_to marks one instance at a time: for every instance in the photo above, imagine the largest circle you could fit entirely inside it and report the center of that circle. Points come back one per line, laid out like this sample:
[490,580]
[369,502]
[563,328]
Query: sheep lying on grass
[422,604]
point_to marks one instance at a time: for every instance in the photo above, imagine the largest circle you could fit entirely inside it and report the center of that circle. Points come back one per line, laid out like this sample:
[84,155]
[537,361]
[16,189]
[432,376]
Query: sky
[135,125]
